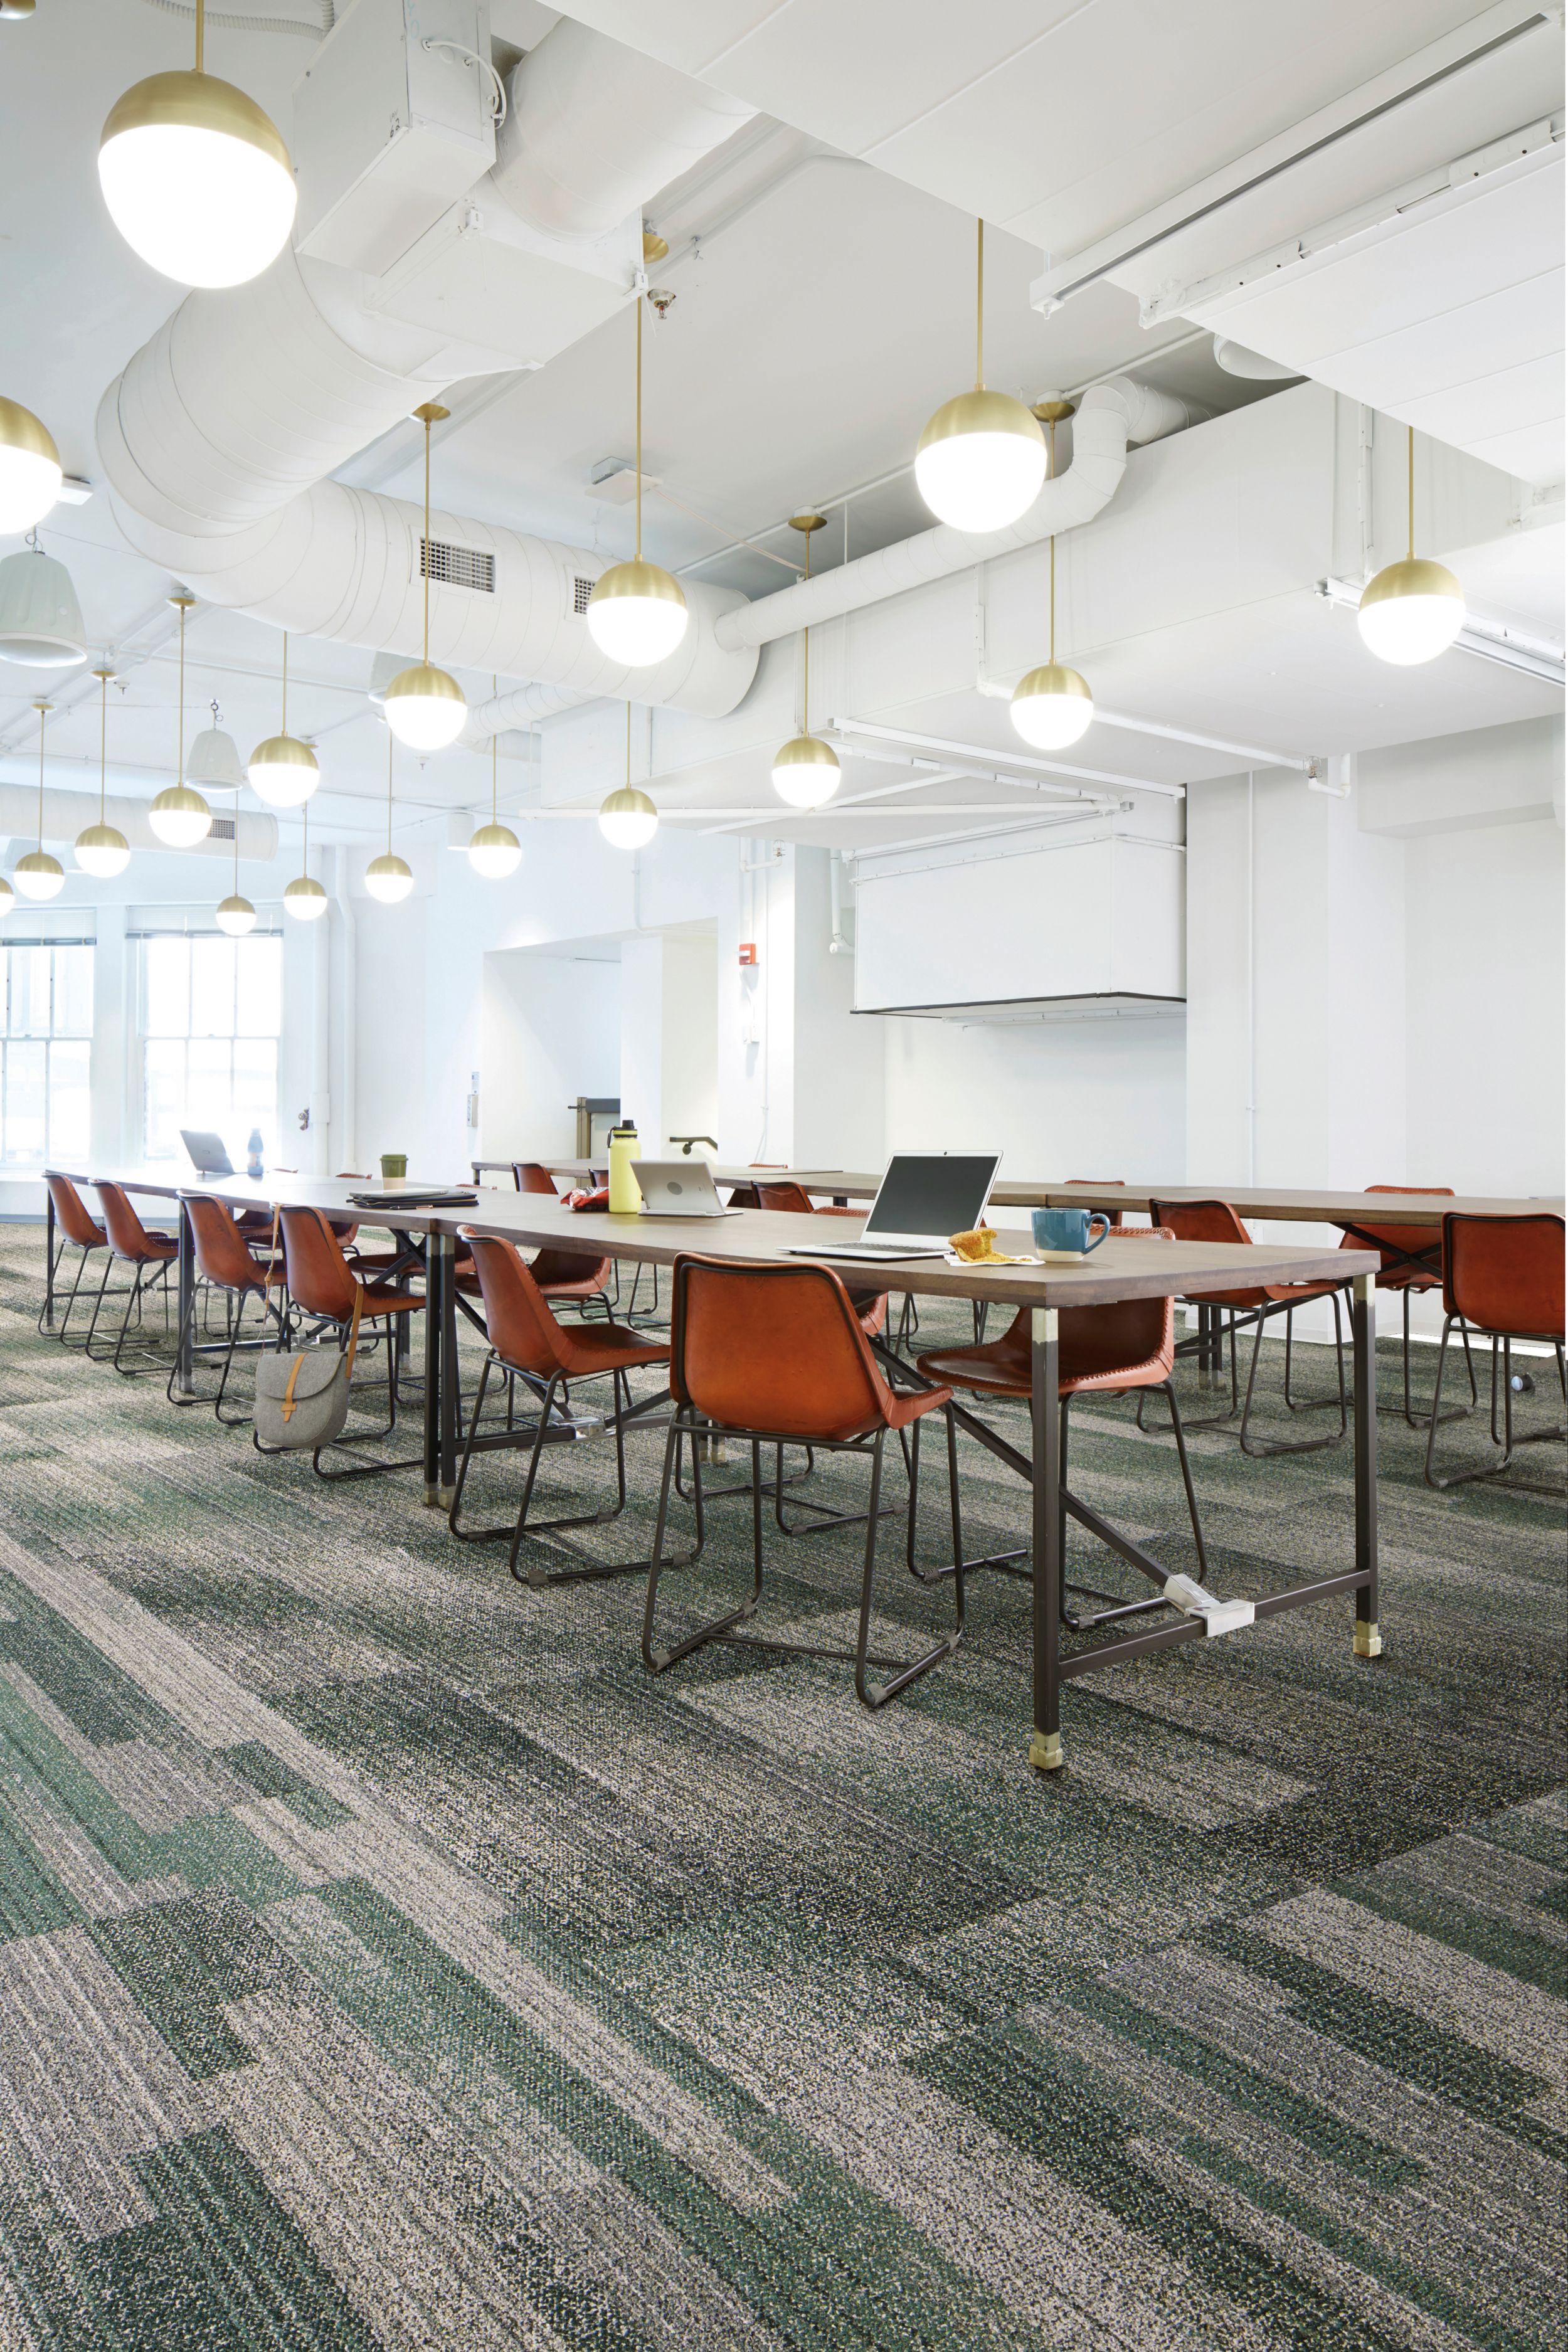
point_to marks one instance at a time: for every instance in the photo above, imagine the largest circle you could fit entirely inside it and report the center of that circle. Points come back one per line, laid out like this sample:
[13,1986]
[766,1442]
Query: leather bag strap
[353,1329]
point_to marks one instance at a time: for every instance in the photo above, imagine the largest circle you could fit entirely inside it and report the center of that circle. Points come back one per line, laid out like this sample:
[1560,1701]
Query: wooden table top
[1129,1268]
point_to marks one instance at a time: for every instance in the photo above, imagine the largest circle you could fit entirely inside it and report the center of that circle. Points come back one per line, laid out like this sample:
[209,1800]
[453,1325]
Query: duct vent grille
[222,828]
[457,567]
[581,590]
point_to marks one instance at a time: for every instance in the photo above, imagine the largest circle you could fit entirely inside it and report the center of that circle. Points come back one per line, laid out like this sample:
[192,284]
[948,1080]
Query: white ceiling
[803,350]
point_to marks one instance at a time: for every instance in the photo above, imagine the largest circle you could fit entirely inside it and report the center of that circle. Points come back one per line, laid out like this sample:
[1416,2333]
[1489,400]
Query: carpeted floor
[388,1961]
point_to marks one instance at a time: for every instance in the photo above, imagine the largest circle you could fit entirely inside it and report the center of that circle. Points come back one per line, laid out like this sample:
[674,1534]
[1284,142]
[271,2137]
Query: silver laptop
[207,1151]
[924,1198]
[679,1188]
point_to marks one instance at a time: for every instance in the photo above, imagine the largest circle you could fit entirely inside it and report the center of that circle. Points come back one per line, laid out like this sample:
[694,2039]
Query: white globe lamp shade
[30,472]
[283,771]
[1411,612]
[180,817]
[636,614]
[424,709]
[806,772]
[981,461]
[38,876]
[213,762]
[627,818]
[305,898]
[7,897]
[235,916]
[388,879]
[196,179]
[103,851]
[40,619]
[495,852]
[1052,706]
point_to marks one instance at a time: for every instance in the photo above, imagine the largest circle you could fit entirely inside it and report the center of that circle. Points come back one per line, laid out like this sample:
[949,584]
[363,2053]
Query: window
[45,1033]
[211,1012]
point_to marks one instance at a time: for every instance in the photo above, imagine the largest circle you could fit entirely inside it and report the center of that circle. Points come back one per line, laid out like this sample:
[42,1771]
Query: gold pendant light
[179,816]
[806,772]
[235,915]
[39,876]
[495,850]
[304,897]
[636,614]
[425,707]
[627,818]
[197,177]
[30,474]
[981,460]
[283,771]
[388,877]
[1411,612]
[1052,705]
[102,850]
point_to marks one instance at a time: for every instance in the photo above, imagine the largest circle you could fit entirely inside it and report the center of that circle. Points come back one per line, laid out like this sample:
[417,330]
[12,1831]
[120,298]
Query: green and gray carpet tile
[390,1962]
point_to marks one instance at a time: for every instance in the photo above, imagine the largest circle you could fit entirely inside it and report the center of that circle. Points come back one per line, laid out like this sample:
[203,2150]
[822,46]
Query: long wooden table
[1117,1270]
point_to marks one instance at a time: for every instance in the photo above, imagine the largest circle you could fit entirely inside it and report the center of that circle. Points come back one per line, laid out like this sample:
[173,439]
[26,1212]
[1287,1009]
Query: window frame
[21,1170]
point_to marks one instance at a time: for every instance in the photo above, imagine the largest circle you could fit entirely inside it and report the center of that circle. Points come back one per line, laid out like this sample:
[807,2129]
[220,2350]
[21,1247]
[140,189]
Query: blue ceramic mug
[1069,1229]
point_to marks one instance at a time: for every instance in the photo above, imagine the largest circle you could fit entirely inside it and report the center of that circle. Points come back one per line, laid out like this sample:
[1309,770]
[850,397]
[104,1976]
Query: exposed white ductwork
[1111,417]
[66,814]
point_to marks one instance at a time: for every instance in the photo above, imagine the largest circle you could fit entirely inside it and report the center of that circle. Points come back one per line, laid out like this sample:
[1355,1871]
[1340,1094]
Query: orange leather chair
[79,1231]
[526,1340]
[1110,1349]
[531,1176]
[1411,1260]
[1118,1184]
[224,1263]
[321,1286]
[1503,1277]
[1216,1220]
[150,1254]
[870,1306]
[775,1355]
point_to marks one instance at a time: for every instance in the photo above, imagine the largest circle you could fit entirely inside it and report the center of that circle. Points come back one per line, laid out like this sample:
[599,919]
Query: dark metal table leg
[445,1249]
[1363,1333]
[183,1387]
[49,1259]
[1045,1408]
[433,1337]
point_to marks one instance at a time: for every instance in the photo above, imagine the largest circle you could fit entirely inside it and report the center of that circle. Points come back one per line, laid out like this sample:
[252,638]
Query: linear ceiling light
[1052,705]
[425,707]
[102,849]
[806,772]
[981,458]
[627,818]
[197,177]
[636,614]
[179,816]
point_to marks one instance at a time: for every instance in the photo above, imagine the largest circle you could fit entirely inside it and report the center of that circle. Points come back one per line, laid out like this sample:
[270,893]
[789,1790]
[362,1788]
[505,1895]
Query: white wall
[549,1031]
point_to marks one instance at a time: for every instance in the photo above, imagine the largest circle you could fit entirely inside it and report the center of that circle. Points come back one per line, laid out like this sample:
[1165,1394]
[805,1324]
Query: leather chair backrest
[1505,1273]
[319,1276]
[529,1177]
[1199,1221]
[219,1245]
[1399,1244]
[523,1330]
[70,1213]
[790,1198]
[126,1233]
[1108,1182]
[1115,1339]
[773,1347]
[569,1266]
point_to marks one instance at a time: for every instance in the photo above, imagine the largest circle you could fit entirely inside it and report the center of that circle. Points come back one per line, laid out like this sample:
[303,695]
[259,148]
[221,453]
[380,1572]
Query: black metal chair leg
[949,1568]
[1257,1451]
[876,1695]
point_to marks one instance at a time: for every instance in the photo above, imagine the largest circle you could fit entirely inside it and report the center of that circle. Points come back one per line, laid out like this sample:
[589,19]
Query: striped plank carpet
[386,1961]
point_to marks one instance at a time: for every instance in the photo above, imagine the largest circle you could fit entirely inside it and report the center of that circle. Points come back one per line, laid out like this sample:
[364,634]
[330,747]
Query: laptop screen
[207,1153]
[936,1192]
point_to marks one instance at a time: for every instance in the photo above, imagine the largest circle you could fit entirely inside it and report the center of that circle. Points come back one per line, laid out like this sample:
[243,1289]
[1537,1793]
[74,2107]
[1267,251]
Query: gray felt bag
[302,1399]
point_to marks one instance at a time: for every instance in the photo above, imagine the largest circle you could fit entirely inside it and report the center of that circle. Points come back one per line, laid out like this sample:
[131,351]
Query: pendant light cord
[389,783]
[980,306]
[42,714]
[102,743]
[1410,491]
[806,655]
[640,440]
[628,748]
[285,681]
[425,550]
[201,36]
[180,746]
[495,689]
[1051,477]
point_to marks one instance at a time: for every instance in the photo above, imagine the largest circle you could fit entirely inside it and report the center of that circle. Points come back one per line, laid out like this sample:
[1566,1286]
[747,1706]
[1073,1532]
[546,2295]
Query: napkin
[979,1248]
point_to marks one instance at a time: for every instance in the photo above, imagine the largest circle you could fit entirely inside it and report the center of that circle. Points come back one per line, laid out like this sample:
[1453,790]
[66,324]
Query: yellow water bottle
[625,1195]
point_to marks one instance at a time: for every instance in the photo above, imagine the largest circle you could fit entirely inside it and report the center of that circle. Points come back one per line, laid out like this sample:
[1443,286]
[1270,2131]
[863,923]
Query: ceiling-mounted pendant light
[235,914]
[806,772]
[495,850]
[1052,705]
[425,707]
[283,771]
[197,177]
[39,876]
[179,816]
[304,897]
[30,474]
[1411,610]
[627,818]
[982,458]
[388,877]
[40,619]
[7,897]
[102,849]
[636,614]
[214,761]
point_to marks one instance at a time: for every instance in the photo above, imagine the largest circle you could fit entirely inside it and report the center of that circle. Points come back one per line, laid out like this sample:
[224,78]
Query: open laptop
[207,1152]
[679,1188]
[924,1198]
